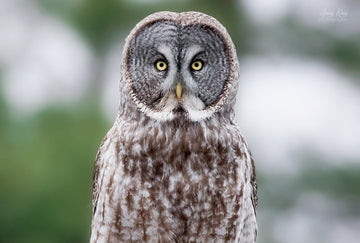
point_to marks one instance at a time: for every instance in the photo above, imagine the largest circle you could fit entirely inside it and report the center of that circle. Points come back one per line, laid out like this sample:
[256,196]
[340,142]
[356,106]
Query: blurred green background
[59,72]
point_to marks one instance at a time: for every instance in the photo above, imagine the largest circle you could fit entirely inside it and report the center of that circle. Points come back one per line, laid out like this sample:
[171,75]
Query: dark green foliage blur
[46,166]
[99,21]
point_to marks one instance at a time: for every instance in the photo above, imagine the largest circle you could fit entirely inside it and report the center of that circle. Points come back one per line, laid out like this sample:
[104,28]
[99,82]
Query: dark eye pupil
[196,64]
[161,64]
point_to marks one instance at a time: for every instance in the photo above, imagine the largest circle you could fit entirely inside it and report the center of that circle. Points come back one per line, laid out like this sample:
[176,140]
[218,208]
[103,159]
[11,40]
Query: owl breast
[168,189]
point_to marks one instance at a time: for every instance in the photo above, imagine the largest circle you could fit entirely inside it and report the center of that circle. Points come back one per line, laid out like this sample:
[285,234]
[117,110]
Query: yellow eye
[160,65]
[197,65]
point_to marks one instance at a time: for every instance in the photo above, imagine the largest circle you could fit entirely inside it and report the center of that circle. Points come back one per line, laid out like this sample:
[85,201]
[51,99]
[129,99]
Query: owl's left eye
[197,65]
[160,65]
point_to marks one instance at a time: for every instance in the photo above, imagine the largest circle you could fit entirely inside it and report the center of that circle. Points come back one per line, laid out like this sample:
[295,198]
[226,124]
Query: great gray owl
[174,167]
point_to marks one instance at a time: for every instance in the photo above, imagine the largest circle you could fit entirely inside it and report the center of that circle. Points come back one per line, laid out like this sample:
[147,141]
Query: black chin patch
[179,110]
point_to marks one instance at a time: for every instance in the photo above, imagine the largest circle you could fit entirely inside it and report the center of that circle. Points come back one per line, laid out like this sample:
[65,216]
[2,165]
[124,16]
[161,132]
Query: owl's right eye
[160,65]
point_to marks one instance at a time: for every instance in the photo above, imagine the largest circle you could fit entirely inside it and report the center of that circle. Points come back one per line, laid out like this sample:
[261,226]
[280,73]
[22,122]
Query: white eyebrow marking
[191,52]
[166,51]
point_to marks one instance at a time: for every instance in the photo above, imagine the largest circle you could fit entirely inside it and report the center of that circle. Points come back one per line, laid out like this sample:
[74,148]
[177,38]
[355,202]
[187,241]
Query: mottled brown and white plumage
[174,167]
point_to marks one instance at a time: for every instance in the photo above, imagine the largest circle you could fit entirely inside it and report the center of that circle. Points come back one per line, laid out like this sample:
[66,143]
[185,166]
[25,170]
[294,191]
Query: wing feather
[97,168]
[254,197]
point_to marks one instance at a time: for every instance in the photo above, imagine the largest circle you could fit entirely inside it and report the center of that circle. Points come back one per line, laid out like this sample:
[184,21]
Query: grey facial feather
[207,83]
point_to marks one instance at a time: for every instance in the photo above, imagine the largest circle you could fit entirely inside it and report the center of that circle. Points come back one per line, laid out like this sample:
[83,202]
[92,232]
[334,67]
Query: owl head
[180,65]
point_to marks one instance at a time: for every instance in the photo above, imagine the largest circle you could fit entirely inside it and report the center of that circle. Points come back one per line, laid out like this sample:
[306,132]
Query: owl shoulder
[244,148]
[108,148]
[253,182]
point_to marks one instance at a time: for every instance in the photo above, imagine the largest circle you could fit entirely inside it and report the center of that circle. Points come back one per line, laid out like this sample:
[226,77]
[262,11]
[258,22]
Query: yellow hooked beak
[178,90]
